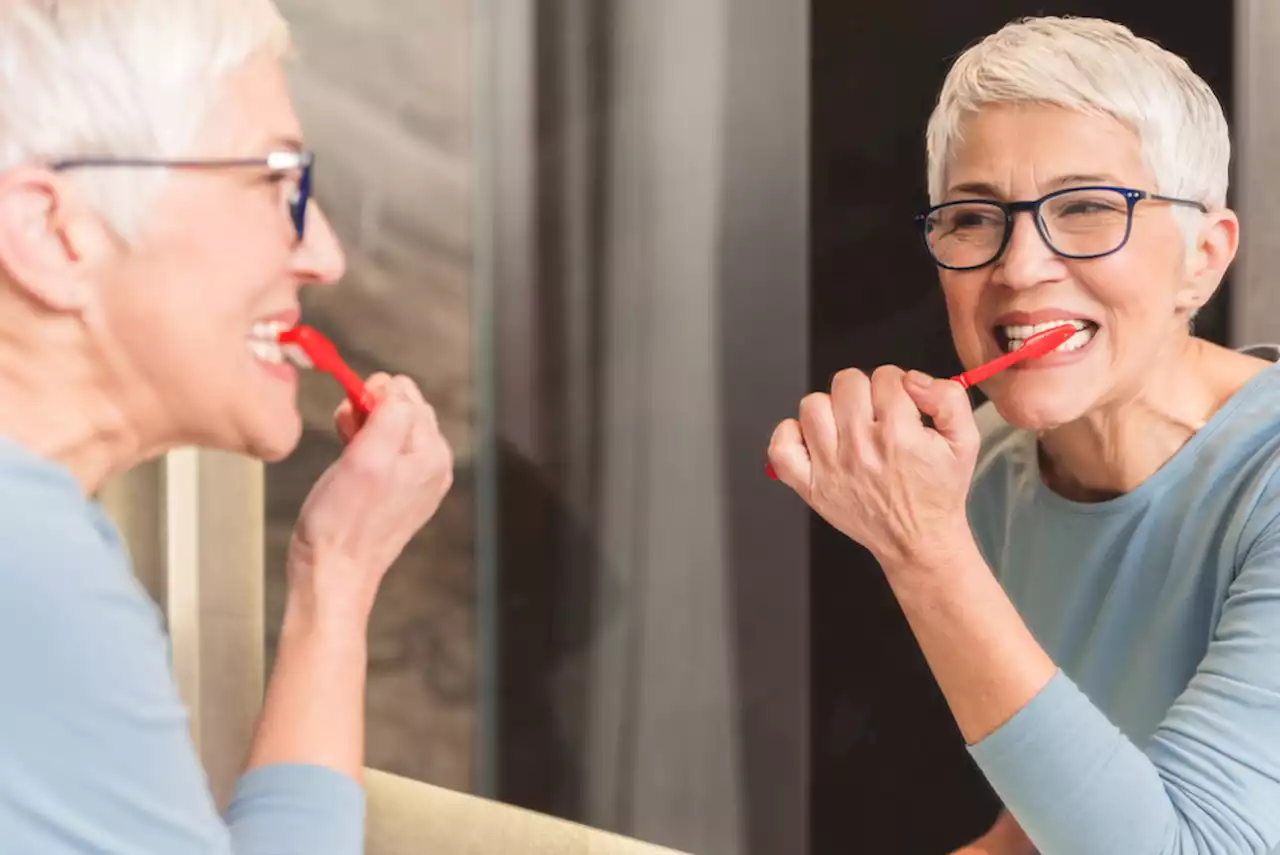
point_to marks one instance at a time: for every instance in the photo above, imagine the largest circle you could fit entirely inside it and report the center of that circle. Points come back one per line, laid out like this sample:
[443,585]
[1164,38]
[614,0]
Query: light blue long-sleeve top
[95,752]
[1160,733]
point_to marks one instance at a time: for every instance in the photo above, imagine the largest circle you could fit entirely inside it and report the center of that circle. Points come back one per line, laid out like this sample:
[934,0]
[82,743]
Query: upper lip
[1041,316]
[288,317]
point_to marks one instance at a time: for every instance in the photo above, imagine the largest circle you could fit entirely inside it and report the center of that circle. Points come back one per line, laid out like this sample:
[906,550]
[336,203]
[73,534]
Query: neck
[1113,449]
[62,403]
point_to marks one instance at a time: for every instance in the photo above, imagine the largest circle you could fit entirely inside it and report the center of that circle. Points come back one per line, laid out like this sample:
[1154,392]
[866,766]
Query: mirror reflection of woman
[1091,562]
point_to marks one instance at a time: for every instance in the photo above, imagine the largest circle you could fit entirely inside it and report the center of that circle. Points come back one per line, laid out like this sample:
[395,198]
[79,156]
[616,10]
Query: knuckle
[814,401]
[886,372]
[849,377]
[410,388]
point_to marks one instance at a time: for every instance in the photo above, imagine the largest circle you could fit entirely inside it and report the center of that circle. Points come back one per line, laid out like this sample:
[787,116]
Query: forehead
[1020,149]
[252,110]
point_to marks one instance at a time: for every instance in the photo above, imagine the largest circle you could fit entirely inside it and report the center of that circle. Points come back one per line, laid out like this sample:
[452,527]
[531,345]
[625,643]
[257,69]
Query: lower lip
[278,370]
[1057,358]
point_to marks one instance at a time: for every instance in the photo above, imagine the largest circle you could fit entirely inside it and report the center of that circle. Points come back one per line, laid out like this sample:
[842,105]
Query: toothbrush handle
[360,397]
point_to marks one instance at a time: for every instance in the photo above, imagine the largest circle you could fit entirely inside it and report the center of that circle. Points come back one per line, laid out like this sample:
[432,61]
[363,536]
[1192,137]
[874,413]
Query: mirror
[574,222]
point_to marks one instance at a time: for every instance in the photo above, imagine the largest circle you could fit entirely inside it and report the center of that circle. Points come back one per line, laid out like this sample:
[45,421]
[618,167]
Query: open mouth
[1010,337]
[264,341]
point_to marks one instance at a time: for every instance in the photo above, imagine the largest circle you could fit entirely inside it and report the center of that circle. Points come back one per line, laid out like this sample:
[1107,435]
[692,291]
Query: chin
[1036,410]
[275,443]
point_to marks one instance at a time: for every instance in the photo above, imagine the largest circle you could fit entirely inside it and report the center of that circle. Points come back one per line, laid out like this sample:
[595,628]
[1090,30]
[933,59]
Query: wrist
[328,592]
[938,554]
[315,614]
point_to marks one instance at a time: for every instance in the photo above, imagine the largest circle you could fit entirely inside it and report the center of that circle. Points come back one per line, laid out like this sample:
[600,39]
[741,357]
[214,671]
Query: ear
[1210,254]
[49,238]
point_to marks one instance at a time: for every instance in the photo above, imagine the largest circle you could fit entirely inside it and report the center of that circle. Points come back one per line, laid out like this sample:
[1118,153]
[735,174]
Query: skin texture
[111,353]
[1107,418]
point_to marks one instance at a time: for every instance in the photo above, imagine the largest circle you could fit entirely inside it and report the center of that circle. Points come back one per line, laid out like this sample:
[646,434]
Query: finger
[948,405]
[379,384]
[346,420]
[817,423]
[384,435]
[789,457]
[893,406]
[851,400]
[405,383]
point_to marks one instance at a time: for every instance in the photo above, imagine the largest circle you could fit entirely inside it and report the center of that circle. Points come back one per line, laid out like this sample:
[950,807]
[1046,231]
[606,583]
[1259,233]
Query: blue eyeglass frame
[276,161]
[1132,197]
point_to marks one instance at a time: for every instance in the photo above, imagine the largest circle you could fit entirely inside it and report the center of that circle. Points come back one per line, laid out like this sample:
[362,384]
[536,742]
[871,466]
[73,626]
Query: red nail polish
[768,470]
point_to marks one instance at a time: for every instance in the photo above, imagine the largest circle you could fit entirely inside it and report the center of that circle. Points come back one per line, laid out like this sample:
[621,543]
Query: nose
[1027,260]
[319,258]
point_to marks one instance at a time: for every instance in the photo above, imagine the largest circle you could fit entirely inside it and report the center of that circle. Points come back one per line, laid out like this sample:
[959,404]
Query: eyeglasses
[1077,223]
[276,161]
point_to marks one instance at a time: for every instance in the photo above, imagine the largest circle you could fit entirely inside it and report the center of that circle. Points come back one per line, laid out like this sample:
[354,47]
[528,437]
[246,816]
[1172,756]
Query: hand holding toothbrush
[393,473]
[387,484]
[863,459]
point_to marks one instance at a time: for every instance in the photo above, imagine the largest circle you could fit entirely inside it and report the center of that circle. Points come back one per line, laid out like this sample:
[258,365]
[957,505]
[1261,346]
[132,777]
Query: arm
[388,482]
[1209,782]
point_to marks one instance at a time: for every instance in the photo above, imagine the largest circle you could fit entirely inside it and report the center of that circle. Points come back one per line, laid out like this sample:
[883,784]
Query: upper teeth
[1023,331]
[268,330]
[1019,333]
[264,340]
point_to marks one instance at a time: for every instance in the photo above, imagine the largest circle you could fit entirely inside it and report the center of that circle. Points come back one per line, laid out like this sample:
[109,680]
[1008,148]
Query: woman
[1091,564]
[154,230]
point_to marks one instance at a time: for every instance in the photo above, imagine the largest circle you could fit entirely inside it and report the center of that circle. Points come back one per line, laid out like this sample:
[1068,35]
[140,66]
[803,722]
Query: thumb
[789,457]
[946,402]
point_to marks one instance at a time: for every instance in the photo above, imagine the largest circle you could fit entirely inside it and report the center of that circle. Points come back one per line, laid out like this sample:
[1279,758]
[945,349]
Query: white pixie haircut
[1100,68]
[123,78]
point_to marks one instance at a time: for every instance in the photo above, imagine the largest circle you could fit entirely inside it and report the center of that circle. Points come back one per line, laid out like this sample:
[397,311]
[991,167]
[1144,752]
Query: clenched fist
[862,458]
[389,481]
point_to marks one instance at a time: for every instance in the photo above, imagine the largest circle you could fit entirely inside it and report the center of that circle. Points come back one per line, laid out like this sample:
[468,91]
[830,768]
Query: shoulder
[58,550]
[97,743]
[72,615]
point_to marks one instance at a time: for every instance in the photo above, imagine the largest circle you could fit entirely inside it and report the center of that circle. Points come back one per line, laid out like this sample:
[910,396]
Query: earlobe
[38,251]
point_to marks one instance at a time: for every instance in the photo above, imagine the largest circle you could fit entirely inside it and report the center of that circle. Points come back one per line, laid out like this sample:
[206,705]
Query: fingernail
[920,379]
[768,470]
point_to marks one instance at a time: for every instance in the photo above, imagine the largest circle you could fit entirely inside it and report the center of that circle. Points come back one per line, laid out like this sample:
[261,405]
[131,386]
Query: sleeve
[1208,783]
[95,751]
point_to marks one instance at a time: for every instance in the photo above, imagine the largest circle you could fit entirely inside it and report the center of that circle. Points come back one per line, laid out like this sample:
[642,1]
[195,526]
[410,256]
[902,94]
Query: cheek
[962,292]
[1134,293]
[177,323]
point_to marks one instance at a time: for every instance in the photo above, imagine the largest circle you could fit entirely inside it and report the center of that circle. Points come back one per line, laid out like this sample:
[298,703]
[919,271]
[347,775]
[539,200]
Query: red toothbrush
[1037,345]
[307,348]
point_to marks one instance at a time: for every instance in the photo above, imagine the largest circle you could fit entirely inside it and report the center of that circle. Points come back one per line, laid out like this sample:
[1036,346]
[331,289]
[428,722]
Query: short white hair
[1101,68]
[124,78]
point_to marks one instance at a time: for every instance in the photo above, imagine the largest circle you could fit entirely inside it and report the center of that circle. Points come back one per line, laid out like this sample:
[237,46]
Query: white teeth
[1017,334]
[268,331]
[264,341]
[266,351]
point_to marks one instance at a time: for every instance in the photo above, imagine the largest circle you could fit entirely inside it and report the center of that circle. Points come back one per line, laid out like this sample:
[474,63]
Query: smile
[1011,336]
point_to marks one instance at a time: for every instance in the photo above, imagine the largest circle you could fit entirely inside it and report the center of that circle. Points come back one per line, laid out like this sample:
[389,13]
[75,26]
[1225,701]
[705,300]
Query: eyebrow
[982,188]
